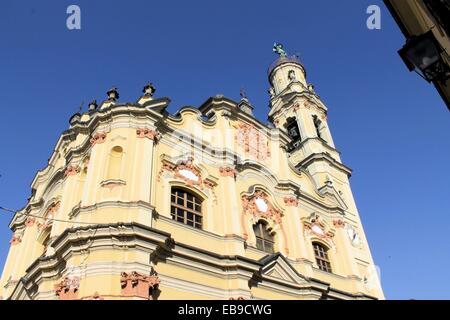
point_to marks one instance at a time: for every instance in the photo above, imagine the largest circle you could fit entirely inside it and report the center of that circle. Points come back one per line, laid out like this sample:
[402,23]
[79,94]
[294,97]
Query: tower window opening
[264,240]
[186,208]
[293,130]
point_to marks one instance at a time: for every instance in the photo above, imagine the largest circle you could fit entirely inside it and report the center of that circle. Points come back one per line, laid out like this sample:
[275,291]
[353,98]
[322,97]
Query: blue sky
[390,125]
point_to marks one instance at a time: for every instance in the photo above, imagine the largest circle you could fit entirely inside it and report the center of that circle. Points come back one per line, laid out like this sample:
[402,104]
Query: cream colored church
[206,203]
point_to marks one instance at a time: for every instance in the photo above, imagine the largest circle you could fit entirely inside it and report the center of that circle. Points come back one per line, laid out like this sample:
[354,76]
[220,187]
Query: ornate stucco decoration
[252,141]
[316,226]
[185,171]
[67,289]
[148,133]
[136,284]
[290,201]
[71,171]
[338,223]
[258,205]
[98,138]
[30,222]
[228,172]
[49,215]
[15,240]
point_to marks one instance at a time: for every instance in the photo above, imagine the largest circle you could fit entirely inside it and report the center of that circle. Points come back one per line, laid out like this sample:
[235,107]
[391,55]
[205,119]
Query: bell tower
[296,109]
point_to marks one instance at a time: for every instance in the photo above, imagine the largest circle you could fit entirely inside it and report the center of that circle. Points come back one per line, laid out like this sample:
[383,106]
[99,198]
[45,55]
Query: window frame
[264,237]
[322,257]
[197,215]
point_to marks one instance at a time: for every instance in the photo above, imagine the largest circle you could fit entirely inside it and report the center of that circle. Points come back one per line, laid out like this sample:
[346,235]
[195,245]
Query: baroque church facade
[206,203]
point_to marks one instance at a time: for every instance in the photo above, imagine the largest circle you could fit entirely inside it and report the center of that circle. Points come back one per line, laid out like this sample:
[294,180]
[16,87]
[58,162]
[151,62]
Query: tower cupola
[286,74]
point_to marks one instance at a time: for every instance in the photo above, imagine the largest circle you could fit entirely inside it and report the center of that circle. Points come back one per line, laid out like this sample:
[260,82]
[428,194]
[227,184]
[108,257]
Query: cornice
[327,158]
[163,246]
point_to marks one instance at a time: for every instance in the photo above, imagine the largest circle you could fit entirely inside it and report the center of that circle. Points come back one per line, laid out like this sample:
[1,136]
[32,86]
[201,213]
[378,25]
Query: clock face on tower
[353,236]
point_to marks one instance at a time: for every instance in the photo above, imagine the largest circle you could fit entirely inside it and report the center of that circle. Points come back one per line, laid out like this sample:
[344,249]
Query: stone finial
[74,119]
[149,89]
[243,94]
[113,94]
[311,88]
[93,105]
[245,104]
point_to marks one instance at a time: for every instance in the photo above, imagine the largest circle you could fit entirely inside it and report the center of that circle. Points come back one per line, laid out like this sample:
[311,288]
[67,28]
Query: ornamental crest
[316,226]
[258,205]
[185,171]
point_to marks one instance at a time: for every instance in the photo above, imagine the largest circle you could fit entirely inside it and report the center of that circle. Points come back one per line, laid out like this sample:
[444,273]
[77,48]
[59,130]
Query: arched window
[264,240]
[186,208]
[321,254]
[115,163]
[292,129]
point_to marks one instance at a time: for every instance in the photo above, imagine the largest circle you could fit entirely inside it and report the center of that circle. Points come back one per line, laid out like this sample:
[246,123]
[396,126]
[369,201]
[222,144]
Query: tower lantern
[286,74]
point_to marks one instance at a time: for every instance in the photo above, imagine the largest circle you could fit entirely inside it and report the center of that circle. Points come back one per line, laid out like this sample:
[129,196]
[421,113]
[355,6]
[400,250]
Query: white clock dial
[353,236]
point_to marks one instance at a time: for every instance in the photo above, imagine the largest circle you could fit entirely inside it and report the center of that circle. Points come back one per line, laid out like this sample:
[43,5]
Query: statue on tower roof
[278,49]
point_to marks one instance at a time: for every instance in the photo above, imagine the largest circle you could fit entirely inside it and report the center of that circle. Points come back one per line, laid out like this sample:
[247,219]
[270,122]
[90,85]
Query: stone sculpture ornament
[278,49]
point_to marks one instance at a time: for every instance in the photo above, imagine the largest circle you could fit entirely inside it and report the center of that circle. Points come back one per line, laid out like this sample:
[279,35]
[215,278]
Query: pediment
[333,196]
[277,268]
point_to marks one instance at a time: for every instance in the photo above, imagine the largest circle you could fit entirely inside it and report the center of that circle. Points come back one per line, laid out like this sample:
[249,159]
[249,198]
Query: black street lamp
[423,54]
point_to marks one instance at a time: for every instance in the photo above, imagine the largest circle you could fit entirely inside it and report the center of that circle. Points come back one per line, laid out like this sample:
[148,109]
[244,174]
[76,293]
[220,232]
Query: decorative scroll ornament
[15,240]
[30,222]
[291,201]
[338,223]
[49,215]
[148,133]
[98,138]
[67,289]
[237,298]
[252,141]
[317,227]
[228,172]
[184,171]
[71,171]
[136,284]
[258,205]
